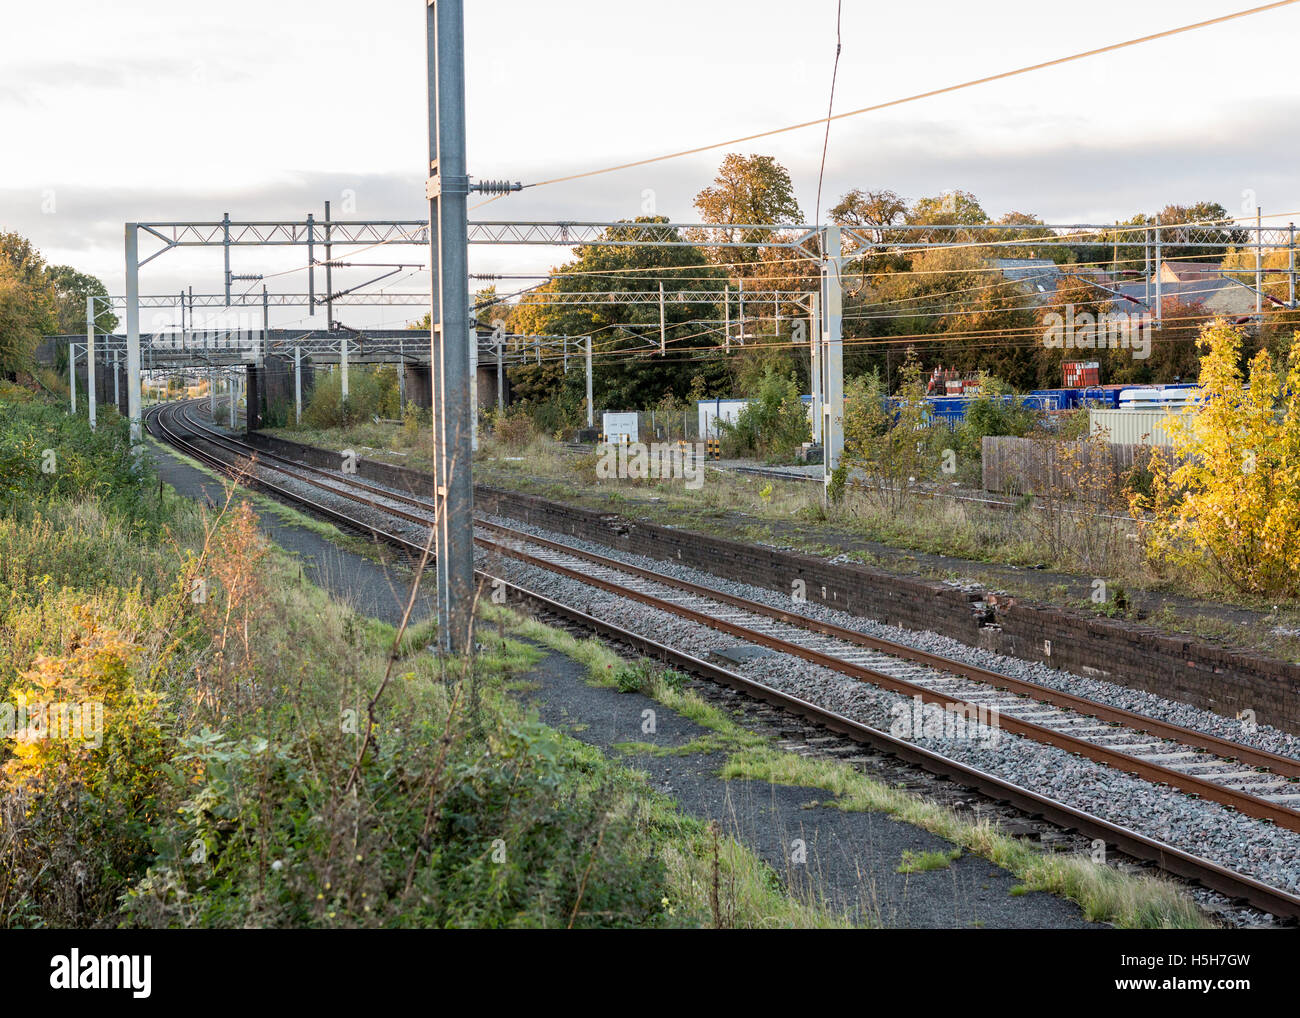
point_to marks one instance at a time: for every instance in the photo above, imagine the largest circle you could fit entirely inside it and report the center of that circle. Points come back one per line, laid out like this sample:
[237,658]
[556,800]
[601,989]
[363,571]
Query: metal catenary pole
[1160,276]
[591,410]
[815,368]
[473,384]
[501,379]
[833,354]
[662,334]
[1290,264]
[343,367]
[133,330]
[91,395]
[1259,261]
[447,188]
[329,272]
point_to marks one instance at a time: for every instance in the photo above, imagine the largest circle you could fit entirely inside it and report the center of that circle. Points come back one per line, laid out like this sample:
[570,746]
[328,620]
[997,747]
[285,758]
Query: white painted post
[591,410]
[1259,261]
[473,385]
[343,366]
[726,318]
[663,343]
[297,383]
[833,352]
[815,369]
[72,374]
[91,395]
[133,331]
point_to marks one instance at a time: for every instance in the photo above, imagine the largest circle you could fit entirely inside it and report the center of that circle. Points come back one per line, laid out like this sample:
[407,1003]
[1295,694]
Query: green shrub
[773,424]
[372,392]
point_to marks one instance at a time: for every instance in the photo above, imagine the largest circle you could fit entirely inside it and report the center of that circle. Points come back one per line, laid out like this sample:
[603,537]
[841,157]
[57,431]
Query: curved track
[1244,778]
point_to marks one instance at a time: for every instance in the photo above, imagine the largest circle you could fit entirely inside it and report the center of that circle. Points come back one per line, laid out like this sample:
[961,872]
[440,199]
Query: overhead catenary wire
[830,108]
[1001,76]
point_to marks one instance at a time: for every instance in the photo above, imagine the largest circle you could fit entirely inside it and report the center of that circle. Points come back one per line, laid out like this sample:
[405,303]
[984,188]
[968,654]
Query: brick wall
[1140,657]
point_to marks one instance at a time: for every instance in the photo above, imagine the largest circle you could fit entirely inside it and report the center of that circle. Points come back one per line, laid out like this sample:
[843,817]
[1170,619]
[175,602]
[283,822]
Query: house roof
[1222,295]
[1038,275]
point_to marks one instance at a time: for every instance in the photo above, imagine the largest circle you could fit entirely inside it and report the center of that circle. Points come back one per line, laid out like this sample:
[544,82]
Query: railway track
[1254,782]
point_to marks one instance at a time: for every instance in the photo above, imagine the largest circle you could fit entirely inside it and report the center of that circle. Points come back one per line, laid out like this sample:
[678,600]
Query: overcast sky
[166,110]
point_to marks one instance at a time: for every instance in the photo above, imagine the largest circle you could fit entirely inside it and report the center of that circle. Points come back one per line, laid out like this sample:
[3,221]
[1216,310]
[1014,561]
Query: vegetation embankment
[200,738]
[1211,517]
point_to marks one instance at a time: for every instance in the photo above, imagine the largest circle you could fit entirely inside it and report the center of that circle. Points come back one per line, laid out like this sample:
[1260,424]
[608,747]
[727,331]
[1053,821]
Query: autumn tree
[628,371]
[757,190]
[953,208]
[26,314]
[38,300]
[71,290]
[1225,499]
[891,447]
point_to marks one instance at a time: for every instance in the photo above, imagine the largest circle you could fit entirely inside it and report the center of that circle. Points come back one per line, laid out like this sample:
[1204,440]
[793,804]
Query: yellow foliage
[62,702]
[1225,500]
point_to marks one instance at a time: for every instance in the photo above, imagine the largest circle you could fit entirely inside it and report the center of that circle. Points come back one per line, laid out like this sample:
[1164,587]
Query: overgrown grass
[270,758]
[1104,894]
[923,862]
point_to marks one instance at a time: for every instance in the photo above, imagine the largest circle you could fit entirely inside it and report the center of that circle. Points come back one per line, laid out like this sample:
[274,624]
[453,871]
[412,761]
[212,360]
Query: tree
[749,189]
[26,314]
[38,300]
[628,372]
[71,289]
[870,212]
[25,261]
[758,190]
[954,208]
[894,454]
[1225,499]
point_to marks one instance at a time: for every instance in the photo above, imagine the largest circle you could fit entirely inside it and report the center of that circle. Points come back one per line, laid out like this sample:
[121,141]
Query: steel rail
[1173,860]
[1242,801]
[1225,748]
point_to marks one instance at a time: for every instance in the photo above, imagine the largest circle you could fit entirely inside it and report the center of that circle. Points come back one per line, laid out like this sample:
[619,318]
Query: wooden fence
[1027,466]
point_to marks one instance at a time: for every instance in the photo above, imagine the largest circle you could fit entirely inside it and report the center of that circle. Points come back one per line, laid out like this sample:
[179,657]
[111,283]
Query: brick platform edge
[1220,679]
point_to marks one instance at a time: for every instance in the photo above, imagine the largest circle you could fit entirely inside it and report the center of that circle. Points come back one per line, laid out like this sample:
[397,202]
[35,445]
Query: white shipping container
[1130,427]
[713,410]
[621,427]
